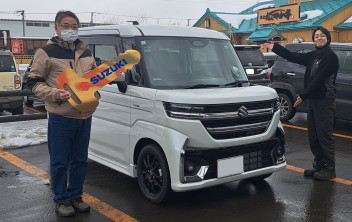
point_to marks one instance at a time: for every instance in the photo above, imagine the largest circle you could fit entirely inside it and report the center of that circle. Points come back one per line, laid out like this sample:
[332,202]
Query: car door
[344,86]
[111,121]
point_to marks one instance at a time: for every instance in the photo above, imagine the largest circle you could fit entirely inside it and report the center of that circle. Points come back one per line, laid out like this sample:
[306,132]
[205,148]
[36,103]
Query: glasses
[67,26]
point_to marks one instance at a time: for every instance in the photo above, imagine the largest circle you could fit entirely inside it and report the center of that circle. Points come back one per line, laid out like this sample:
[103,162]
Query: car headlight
[184,111]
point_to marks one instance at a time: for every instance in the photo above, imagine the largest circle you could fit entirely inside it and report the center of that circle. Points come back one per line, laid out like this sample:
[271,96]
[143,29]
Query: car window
[341,55]
[347,67]
[7,64]
[178,62]
[251,56]
[104,52]
[135,73]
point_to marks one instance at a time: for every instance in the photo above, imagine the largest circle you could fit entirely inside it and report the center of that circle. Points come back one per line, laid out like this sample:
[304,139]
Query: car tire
[17,111]
[153,174]
[287,111]
[26,99]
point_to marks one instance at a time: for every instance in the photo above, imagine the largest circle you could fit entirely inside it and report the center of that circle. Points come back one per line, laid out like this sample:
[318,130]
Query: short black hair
[62,13]
[323,30]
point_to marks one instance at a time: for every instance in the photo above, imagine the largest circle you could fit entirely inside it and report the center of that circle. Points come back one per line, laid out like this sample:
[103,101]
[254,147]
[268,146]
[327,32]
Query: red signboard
[17,46]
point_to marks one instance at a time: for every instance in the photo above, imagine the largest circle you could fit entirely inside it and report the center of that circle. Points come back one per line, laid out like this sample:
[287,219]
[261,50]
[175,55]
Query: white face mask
[69,35]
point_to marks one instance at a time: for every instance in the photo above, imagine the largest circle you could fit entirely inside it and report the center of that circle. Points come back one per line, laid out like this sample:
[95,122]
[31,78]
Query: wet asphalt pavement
[284,196]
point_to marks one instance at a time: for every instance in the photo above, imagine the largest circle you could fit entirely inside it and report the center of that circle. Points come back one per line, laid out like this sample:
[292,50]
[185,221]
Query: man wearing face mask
[68,128]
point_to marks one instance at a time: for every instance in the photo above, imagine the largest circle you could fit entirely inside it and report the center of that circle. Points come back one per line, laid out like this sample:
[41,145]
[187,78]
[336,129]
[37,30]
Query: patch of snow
[24,133]
[311,14]
[236,19]
[349,20]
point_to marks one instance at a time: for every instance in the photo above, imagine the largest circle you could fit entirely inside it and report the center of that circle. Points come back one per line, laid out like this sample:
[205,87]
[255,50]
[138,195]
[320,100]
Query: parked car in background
[287,79]
[254,63]
[10,80]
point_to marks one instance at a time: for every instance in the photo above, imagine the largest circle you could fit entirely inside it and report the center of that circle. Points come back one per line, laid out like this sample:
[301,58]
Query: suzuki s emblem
[242,112]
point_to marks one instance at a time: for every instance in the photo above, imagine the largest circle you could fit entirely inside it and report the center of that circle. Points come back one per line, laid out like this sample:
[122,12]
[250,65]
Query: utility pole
[91,18]
[23,25]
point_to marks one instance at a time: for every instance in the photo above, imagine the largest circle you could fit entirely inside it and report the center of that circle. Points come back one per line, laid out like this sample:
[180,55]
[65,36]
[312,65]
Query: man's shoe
[324,174]
[65,209]
[79,205]
[310,172]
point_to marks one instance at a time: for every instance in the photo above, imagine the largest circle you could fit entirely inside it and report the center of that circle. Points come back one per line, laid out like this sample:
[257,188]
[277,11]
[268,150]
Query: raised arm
[300,58]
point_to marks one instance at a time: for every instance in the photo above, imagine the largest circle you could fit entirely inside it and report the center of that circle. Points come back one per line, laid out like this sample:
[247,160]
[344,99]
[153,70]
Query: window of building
[207,23]
[38,24]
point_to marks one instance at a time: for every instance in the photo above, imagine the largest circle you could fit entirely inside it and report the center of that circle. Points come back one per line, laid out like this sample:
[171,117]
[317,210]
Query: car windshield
[250,56]
[173,63]
[7,64]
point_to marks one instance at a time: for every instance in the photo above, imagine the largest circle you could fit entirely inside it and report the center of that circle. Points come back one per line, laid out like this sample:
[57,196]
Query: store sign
[17,46]
[289,13]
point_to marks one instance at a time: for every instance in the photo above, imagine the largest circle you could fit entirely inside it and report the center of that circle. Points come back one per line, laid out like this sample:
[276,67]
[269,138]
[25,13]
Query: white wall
[16,29]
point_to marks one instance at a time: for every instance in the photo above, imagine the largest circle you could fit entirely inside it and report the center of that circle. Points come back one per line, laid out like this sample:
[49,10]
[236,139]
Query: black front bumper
[255,156]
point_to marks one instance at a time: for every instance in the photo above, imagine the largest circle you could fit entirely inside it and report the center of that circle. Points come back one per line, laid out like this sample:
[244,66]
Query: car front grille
[226,121]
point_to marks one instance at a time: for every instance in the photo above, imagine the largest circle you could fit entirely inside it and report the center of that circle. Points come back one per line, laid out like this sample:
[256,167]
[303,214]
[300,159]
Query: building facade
[24,37]
[277,20]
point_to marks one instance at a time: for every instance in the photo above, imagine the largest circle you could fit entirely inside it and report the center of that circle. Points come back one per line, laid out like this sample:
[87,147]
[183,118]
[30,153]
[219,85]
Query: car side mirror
[122,86]
[98,61]
[120,82]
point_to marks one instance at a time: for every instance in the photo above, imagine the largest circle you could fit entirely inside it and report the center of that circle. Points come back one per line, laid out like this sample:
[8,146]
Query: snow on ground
[23,133]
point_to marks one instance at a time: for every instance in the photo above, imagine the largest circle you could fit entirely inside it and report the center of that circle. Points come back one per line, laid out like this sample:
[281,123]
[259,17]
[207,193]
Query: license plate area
[230,166]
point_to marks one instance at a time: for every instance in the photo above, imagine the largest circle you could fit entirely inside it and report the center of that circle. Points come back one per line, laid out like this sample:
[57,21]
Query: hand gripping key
[82,88]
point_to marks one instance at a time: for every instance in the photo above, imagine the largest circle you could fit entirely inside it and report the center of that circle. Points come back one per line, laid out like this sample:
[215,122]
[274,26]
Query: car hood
[217,95]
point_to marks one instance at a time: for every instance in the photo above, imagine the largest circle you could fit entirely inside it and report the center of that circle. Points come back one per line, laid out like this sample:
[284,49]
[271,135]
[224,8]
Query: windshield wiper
[197,86]
[236,83]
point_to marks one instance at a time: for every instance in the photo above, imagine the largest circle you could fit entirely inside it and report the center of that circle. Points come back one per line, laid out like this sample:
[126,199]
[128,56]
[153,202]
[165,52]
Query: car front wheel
[287,111]
[153,174]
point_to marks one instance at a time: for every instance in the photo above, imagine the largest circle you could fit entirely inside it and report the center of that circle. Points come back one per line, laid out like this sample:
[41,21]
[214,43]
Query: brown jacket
[49,61]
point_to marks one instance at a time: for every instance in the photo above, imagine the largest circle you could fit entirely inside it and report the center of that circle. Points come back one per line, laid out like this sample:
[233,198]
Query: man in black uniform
[319,87]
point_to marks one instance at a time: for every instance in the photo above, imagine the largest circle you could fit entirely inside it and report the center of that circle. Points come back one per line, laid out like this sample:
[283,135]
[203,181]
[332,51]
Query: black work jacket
[321,70]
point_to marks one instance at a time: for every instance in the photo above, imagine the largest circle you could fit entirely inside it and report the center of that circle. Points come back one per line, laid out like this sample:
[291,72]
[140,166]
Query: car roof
[151,30]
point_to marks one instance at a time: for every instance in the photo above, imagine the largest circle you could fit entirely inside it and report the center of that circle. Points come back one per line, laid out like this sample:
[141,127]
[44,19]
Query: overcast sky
[117,11]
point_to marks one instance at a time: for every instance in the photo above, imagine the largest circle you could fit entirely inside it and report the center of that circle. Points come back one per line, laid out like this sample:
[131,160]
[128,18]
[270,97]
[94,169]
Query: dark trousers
[68,141]
[321,117]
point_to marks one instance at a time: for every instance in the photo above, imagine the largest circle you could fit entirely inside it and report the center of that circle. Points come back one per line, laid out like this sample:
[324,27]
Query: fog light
[190,167]
[279,152]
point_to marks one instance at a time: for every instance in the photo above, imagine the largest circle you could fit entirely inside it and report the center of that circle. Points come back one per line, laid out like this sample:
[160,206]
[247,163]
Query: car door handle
[291,74]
